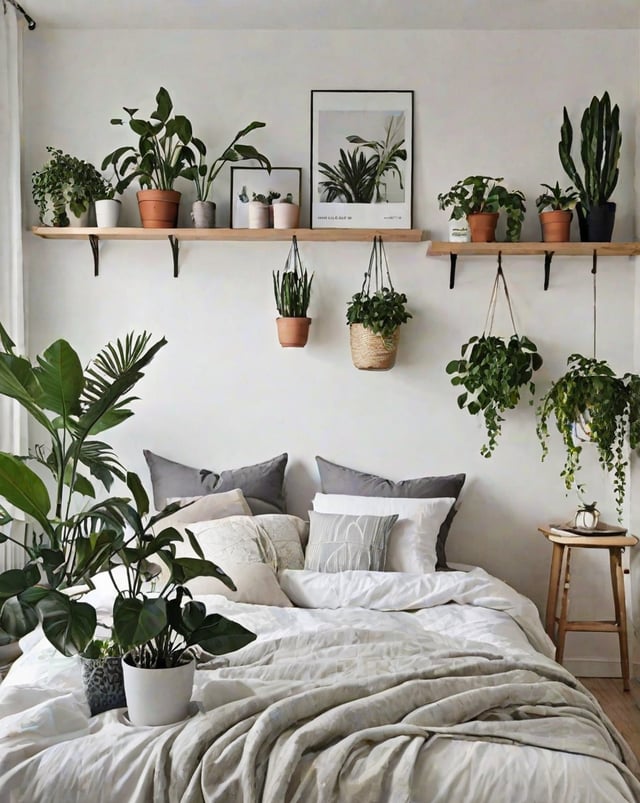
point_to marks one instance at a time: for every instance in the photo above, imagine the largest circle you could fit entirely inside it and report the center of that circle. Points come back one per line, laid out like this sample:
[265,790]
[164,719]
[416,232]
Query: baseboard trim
[593,668]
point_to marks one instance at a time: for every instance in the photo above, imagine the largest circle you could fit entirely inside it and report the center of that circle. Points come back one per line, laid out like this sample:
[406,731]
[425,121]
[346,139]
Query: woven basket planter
[369,351]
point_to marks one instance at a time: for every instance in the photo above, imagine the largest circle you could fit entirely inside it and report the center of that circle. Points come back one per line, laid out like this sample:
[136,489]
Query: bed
[379,672]
[372,686]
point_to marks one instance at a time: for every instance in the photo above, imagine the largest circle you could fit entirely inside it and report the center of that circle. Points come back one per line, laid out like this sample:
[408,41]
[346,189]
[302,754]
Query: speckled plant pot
[103,684]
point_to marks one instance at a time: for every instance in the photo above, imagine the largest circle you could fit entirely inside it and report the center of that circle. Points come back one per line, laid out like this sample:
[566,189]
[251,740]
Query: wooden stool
[562,546]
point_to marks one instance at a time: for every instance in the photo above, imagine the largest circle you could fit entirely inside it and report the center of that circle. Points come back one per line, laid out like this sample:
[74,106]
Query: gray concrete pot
[203,214]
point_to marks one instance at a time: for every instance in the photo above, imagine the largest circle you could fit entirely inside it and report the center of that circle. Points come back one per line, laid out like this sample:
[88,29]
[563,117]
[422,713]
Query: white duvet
[381,687]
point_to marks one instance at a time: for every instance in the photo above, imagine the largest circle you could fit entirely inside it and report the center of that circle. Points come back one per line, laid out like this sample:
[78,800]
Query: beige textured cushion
[256,583]
[206,508]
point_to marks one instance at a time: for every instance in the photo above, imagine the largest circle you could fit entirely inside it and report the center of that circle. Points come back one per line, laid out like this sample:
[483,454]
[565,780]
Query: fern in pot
[292,292]
[493,371]
[375,314]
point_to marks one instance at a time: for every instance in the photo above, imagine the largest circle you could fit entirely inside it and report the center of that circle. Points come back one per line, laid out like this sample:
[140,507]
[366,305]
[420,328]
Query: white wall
[223,393]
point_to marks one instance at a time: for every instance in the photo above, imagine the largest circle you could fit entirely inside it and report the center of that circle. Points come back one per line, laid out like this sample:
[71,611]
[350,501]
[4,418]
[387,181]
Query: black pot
[596,225]
[103,684]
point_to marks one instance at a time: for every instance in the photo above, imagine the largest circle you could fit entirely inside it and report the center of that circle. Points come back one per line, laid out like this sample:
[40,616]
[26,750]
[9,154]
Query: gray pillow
[335,479]
[262,484]
[339,542]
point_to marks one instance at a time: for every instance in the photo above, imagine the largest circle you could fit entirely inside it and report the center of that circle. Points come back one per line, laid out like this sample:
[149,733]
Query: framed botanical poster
[257,184]
[361,159]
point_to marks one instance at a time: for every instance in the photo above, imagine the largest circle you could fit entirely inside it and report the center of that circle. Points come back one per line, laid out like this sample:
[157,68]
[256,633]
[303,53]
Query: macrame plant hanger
[378,268]
[493,301]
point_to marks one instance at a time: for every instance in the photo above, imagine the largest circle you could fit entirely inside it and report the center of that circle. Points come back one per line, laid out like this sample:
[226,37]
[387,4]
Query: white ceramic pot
[107,213]
[286,216]
[587,519]
[258,215]
[158,696]
[80,221]
[459,231]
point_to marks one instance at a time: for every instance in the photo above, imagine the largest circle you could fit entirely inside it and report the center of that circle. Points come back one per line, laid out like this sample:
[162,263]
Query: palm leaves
[358,177]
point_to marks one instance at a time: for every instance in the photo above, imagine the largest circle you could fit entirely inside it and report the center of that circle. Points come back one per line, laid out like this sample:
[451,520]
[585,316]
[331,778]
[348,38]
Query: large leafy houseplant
[163,150]
[493,372]
[71,534]
[65,184]
[159,630]
[478,195]
[601,140]
[607,406]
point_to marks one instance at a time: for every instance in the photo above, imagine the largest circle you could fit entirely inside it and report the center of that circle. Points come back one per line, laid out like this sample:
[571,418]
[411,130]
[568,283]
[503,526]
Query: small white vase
[158,696]
[459,231]
[258,215]
[286,216]
[107,213]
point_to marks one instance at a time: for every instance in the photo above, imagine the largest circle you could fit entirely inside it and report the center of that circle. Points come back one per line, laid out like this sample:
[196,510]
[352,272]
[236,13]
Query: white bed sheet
[51,750]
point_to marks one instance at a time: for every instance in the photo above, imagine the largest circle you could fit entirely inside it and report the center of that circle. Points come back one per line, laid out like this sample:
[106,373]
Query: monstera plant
[71,534]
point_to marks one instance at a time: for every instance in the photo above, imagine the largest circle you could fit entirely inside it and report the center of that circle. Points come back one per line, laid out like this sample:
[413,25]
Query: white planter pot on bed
[158,696]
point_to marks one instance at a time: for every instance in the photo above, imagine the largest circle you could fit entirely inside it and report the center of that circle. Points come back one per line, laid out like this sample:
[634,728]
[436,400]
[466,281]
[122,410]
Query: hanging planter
[493,370]
[590,404]
[292,291]
[375,315]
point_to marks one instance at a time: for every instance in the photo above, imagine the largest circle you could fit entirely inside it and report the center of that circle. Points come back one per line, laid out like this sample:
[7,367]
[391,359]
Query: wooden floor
[621,707]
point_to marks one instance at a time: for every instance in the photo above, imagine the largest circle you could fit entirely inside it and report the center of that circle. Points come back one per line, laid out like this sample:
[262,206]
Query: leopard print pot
[103,684]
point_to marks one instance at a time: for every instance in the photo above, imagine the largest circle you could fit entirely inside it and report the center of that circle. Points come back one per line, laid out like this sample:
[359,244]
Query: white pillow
[412,543]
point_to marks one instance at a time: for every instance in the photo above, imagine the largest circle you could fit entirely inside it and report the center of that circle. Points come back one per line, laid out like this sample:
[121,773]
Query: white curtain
[13,436]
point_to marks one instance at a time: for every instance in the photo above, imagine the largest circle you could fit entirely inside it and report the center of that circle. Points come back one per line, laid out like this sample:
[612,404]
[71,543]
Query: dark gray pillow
[335,479]
[262,484]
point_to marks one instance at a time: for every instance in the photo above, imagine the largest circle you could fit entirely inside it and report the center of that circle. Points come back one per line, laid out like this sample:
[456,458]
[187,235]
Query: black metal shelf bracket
[175,251]
[452,270]
[548,256]
[94,242]
[594,262]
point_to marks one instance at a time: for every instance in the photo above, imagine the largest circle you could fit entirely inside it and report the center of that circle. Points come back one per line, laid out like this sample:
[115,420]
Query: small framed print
[257,183]
[361,159]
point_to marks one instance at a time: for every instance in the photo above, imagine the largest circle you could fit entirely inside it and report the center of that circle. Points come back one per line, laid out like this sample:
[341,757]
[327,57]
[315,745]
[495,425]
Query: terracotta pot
[369,351]
[158,208]
[483,226]
[556,226]
[293,332]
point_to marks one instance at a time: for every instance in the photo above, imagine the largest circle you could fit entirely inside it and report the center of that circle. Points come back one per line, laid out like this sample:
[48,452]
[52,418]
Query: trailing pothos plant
[70,534]
[493,372]
[379,308]
[608,407]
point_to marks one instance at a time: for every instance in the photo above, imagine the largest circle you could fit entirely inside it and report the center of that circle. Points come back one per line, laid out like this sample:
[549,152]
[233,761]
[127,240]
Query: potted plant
[494,370]
[70,535]
[162,153]
[610,406]
[158,631]
[480,199]
[203,211]
[292,291]
[64,188]
[554,210]
[107,206]
[286,214]
[600,144]
[375,314]
[260,209]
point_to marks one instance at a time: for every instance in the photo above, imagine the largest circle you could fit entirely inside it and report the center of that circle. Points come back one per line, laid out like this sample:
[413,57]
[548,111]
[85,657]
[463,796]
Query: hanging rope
[31,23]
[594,273]
[493,301]
[378,267]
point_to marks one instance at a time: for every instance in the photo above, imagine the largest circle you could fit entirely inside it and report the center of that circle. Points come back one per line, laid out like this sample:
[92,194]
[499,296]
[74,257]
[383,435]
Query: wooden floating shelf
[175,236]
[547,250]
